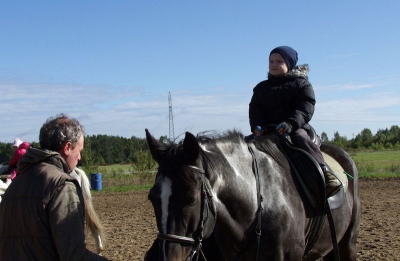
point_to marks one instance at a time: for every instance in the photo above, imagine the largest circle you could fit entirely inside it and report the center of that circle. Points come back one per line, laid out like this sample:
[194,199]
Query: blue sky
[111,64]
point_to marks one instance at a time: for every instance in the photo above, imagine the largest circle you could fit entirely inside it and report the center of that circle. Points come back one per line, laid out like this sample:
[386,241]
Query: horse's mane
[174,155]
[268,143]
[212,137]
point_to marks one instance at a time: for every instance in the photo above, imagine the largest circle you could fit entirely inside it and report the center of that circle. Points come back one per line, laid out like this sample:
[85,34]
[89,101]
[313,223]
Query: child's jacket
[289,98]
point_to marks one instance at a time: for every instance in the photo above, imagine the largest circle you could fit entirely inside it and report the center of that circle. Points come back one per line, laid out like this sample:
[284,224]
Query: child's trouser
[301,140]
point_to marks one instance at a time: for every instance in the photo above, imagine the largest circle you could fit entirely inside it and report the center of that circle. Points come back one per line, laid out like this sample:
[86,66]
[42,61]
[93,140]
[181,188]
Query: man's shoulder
[50,174]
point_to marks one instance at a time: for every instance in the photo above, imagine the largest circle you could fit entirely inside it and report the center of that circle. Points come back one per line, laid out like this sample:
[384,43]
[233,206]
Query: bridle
[206,208]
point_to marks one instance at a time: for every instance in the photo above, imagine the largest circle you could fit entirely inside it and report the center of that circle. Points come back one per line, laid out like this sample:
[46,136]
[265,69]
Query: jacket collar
[34,155]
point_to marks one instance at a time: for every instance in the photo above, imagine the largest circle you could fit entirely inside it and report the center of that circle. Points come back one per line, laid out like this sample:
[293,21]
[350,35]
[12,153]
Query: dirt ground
[130,224]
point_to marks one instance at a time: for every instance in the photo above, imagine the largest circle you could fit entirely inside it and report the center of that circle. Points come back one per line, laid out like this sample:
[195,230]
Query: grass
[126,188]
[377,164]
[121,178]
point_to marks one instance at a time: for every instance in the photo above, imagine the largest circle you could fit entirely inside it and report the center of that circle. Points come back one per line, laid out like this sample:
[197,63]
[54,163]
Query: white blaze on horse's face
[166,191]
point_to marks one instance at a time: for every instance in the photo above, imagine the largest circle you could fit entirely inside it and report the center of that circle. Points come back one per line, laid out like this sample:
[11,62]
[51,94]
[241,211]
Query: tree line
[106,150]
[365,140]
[101,150]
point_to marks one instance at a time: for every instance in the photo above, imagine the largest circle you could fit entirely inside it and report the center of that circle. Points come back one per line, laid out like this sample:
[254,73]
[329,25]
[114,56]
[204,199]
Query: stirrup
[333,191]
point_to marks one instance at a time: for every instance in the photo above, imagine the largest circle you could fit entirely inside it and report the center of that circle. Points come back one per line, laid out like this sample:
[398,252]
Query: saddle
[309,174]
[311,180]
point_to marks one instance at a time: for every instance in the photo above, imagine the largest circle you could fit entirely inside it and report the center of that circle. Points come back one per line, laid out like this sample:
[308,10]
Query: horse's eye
[191,199]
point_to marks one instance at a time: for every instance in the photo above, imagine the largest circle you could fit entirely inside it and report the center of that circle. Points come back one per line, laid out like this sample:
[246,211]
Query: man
[42,211]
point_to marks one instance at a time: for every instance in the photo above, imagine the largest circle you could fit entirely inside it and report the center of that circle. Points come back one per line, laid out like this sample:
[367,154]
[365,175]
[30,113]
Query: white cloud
[128,111]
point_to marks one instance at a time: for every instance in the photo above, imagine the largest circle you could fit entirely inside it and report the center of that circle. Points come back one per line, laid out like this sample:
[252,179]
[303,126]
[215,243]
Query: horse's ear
[155,146]
[191,147]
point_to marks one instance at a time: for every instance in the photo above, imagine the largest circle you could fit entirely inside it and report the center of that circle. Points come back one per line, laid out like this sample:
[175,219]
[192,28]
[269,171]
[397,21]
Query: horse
[3,167]
[3,187]
[91,218]
[4,182]
[92,221]
[206,186]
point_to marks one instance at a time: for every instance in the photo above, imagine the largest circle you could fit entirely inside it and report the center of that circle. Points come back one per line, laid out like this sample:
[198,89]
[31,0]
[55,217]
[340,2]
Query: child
[19,147]
[287,100]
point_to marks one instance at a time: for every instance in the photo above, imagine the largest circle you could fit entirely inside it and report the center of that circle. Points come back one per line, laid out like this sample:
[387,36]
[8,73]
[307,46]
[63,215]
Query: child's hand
[258,131]
[283,129]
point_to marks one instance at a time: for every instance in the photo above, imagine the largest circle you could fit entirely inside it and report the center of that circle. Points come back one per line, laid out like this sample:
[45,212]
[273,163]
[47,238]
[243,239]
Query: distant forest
[105,149]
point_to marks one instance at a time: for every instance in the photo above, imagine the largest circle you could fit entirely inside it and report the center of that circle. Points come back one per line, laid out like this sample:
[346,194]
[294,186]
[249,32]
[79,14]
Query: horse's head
[181,198]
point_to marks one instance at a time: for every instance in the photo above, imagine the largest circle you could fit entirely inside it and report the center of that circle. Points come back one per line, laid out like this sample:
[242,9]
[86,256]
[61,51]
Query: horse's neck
[235,189]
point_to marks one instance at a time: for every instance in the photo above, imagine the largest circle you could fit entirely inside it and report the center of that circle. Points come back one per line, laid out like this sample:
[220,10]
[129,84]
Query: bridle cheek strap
[206,207]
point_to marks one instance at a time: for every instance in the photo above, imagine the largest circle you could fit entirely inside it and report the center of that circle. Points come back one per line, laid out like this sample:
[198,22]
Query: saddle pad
[337,169]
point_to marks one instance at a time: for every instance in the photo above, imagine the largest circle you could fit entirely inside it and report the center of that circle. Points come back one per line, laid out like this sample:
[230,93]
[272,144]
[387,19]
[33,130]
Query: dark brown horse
[206,188]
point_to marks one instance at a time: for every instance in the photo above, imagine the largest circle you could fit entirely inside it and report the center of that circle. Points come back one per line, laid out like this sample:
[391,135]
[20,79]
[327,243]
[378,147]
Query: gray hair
[58,130]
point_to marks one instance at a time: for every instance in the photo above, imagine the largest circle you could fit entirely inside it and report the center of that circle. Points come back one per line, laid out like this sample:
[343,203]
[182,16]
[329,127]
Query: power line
[394,121]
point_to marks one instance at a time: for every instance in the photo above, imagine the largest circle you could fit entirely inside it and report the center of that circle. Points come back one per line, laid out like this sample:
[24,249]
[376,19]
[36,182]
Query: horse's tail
[91,218]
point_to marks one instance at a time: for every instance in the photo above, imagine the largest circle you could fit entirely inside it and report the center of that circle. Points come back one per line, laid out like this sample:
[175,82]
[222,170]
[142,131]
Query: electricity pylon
[171,120]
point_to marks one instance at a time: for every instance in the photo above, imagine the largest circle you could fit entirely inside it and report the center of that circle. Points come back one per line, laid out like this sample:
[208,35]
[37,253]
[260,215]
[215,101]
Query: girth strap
[317,222]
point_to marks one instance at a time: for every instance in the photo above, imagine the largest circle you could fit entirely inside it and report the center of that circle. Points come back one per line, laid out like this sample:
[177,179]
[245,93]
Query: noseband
[206,207]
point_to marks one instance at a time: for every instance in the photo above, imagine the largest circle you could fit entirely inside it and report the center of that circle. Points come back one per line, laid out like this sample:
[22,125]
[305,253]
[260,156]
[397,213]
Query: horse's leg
[91,218]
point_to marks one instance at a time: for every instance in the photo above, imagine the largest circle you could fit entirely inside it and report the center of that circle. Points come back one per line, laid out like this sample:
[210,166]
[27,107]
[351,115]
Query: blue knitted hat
[288,54]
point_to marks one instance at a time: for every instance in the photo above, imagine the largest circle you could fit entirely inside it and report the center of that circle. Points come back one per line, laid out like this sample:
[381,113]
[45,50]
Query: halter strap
[176,239]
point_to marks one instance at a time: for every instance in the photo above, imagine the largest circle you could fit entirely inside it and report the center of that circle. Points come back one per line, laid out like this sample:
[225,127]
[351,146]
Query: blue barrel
[95,181]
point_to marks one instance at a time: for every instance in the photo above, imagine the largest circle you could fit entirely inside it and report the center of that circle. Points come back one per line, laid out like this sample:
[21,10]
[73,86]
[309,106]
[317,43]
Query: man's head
[64,135]
[285,54]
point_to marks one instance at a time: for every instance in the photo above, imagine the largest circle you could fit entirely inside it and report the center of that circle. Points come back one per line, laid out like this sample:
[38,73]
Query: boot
[333,184]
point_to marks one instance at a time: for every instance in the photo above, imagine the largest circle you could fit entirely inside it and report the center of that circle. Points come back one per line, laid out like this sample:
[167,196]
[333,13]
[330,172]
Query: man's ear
[66,148]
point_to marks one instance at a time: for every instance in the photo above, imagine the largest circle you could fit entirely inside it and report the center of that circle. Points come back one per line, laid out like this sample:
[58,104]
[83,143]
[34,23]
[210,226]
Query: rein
[259,199]
[259,203]
[206,207]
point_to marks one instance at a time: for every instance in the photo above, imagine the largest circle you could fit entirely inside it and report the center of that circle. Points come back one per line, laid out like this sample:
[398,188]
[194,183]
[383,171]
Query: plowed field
[130,225]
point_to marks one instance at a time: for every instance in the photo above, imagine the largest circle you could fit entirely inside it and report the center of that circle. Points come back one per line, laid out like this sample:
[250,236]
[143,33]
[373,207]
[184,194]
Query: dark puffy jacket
[42,212]
[289,98]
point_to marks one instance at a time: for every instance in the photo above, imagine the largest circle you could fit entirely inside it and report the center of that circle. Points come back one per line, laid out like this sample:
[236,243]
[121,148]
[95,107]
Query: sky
[113,64]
